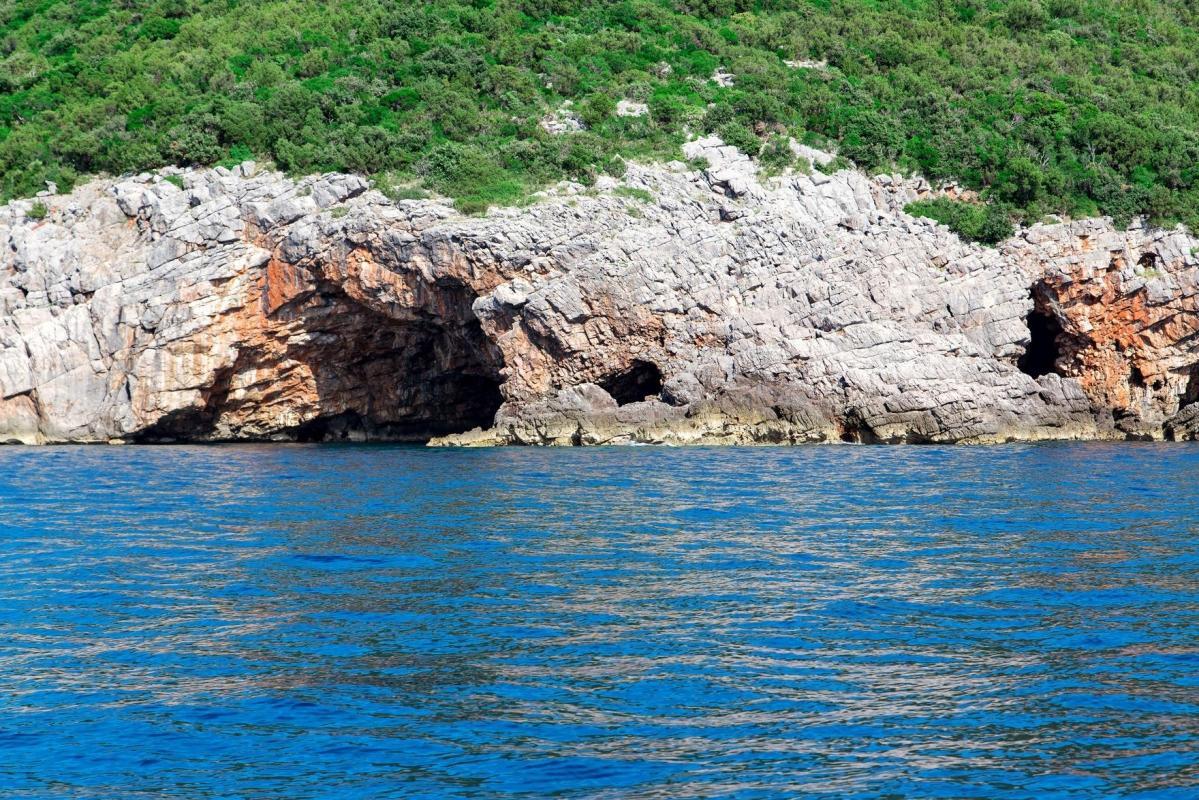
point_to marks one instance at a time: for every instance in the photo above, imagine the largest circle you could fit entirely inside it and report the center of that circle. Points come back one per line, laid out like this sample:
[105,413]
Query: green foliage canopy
[1073,106]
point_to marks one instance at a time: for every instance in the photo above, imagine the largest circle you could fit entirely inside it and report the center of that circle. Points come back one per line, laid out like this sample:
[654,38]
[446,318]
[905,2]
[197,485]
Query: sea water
[399,622]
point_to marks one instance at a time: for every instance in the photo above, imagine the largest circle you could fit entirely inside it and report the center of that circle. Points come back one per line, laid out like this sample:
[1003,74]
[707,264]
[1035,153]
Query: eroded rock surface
[727,308]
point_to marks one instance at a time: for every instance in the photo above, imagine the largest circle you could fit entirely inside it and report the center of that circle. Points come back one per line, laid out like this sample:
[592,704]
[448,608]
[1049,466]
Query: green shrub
[634,192]
[596,109]
[158,28]
[1024,14]
[667,111]
[872,139]
[776,156]
[37,211]
[987,224]
[395,190]
[615,167]
[408,193]
[472,206]
[466,172]
[739,136]
[835,165]
[238,154]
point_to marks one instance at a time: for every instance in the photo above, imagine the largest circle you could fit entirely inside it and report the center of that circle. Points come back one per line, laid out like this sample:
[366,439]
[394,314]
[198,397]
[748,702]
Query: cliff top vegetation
[1074,106]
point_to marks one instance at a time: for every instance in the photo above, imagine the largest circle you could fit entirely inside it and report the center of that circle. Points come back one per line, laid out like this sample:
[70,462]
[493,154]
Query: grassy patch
[776,156]
[396,189]
[634,193]
[835,165]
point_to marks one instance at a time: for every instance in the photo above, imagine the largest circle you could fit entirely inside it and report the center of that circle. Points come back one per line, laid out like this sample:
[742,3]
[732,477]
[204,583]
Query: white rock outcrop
[727,308]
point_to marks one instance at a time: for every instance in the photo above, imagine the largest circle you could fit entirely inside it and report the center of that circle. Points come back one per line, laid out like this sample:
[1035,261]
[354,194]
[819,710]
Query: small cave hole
[1191,393]
[1043,352]
[1148,261]
[641,380]
[855,429]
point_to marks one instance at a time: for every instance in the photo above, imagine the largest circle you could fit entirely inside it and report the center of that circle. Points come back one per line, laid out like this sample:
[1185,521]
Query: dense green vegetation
[1068,106]
[988,224]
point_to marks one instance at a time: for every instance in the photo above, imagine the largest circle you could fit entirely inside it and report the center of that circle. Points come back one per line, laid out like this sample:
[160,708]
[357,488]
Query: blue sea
[279,622]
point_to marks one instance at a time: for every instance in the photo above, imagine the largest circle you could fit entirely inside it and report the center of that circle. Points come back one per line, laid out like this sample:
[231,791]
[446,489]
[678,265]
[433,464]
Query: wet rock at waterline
[726,308]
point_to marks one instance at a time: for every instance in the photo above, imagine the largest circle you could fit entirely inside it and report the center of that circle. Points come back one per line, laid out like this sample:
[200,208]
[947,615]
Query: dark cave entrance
[1044,347]
[368,376]
[639,381]
[331,428]
[408,381]
[855,430]
[459,402]
[1191,393]
[471,399]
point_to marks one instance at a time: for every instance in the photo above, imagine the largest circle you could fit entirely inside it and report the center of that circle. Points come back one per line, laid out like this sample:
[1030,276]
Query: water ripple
[826,622]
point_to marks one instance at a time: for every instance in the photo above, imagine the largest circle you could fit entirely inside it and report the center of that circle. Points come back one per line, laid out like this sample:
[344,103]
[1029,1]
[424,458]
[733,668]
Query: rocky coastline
[674,306]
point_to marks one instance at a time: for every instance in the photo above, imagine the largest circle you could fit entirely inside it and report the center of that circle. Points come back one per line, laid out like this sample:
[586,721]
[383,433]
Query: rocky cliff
[675,305]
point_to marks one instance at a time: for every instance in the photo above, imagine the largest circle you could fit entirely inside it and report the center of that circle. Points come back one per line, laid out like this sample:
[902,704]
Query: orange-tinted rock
[1127,308]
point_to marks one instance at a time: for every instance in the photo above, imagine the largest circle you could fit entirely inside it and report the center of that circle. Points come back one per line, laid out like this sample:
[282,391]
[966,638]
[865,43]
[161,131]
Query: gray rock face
[728,309]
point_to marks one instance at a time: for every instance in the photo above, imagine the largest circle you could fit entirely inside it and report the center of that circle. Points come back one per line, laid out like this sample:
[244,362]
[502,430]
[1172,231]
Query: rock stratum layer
[727,308]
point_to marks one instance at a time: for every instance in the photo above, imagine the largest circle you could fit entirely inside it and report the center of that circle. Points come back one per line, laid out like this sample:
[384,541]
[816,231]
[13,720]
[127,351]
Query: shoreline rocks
[677,306]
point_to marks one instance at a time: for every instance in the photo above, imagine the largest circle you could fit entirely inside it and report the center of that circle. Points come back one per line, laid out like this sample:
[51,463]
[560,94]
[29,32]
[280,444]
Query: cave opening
[1191,393]
[854,430]
[406,381]
[471,397]
[453,402]
[397,373]
[639,381]
[333,365]
[331,428]
[1044,346]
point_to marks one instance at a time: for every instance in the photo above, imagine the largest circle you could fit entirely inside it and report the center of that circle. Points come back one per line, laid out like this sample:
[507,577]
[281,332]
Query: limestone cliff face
[727,309]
